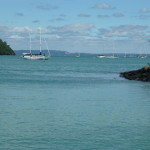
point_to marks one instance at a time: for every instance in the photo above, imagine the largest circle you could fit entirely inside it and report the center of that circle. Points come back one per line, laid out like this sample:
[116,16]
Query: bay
[73,103]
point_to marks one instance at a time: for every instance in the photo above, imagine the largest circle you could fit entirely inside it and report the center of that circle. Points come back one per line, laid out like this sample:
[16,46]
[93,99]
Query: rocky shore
[142,74]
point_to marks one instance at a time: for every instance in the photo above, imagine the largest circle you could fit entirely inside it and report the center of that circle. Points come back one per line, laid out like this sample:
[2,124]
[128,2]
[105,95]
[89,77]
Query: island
[5,49]
[142,74]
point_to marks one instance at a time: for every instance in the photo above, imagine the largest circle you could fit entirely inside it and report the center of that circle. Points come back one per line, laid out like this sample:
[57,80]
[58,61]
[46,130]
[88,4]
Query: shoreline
[142,74]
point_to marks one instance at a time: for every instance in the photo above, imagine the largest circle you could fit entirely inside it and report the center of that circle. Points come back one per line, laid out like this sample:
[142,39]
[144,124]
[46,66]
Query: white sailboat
[113,55]
[101,56]
[39,56]
[78,55]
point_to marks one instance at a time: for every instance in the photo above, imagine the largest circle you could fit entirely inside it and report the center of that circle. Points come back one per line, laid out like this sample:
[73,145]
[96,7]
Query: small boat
[111,57]
[39,56]
[101,56]
[142,56]
[78,55]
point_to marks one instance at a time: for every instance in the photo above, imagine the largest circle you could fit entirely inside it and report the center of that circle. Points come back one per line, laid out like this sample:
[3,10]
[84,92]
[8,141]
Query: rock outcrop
[142,74]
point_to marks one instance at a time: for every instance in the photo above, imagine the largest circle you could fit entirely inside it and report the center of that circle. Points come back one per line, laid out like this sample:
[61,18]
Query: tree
[5,49]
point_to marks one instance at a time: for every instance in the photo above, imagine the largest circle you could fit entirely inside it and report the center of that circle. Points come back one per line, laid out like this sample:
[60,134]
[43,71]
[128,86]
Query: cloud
[76,36]
[9,30]
[145,10]
[62,15]
[124,31]
[19,14]
[36,21]
[66,31]
[103,6]
[103,16]
[118,15]
[78,30]
[21,31]
[57,19]
[11,34]
[47,7]
[84,15]
[76,27]
[143,17]
[71,31]
[16,37]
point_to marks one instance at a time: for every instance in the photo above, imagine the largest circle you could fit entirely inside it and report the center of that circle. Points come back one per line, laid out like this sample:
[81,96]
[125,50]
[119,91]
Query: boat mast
[30,41]
[47,47]
[113,48]
[40,42]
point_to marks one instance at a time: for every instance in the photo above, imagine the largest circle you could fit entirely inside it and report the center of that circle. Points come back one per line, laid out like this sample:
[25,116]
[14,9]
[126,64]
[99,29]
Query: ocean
[69,103]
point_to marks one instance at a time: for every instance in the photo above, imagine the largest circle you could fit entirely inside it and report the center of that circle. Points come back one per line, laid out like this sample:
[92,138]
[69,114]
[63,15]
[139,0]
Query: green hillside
[5,49]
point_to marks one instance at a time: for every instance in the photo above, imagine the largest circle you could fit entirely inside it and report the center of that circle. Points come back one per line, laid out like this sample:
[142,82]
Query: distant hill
[5,49]
[65,53]
[54,53]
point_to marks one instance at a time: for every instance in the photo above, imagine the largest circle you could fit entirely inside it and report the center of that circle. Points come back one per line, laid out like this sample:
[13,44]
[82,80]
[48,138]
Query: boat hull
[35,57]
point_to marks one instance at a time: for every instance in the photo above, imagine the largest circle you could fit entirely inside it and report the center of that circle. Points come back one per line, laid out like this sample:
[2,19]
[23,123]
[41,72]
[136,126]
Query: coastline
[142,74]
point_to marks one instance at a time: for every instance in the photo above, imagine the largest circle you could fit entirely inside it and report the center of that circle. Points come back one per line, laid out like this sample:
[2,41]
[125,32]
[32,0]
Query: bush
[5,49]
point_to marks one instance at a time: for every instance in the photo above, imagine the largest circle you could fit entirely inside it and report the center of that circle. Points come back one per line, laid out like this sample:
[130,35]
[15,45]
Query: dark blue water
[69,103]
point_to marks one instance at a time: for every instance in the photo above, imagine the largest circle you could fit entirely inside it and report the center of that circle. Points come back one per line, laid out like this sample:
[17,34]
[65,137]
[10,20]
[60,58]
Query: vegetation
[5,49]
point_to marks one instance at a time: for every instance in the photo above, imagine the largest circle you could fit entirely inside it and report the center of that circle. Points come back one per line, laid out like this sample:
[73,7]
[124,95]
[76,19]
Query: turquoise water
[69,103]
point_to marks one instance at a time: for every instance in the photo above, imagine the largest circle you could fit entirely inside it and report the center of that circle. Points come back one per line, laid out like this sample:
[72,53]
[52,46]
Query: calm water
[69,103]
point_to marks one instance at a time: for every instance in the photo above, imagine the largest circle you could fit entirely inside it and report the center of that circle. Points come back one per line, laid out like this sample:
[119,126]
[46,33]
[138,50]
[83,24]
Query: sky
[86,26]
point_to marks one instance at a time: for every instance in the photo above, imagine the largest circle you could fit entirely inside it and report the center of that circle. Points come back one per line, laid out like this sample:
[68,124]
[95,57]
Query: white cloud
[145,10]
[77,27]
[57,19]
[103,16]
[19,14]
[16,37]
[125,31]
[144,16]
[103,6]
[71,31]
[84,15]
[20,29]
[76,37]
[118,15]
[47,7]
[36,21]
[67,31]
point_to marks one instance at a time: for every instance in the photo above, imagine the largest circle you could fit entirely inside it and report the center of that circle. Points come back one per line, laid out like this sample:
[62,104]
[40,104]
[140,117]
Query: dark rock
[142,74]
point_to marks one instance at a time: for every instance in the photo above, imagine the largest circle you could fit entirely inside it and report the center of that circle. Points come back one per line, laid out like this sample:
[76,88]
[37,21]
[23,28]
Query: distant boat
[142,56]
[39,56]
[101,56]
[111,57]
[78,55]
[104,56]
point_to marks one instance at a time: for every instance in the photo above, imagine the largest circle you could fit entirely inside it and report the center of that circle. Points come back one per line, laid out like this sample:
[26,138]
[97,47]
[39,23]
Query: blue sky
[94,26]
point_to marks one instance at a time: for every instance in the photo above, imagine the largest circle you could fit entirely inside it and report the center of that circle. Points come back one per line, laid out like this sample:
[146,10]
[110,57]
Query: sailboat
[113,55]
[78,55]
[39,56]
[101,56]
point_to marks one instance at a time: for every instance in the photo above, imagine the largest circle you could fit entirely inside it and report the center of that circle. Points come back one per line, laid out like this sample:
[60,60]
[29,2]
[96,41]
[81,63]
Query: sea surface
[69,103]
